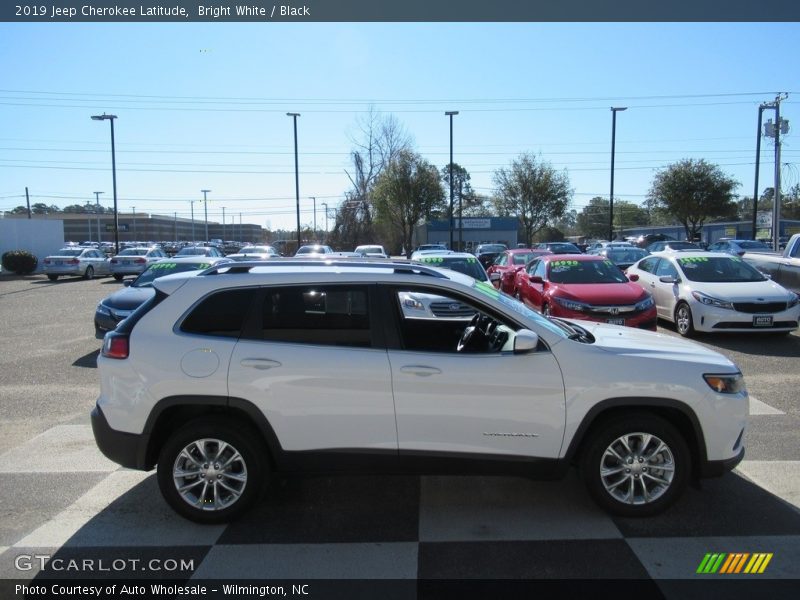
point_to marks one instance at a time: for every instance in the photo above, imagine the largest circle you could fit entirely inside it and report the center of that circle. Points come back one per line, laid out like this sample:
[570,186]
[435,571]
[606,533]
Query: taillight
[114,261]
[115,345]
[140,261]
[74,261]
[47,261]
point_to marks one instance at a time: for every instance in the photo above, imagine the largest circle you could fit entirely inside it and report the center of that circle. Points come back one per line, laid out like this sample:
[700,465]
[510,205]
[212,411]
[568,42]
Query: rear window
[221,314]
[160,269]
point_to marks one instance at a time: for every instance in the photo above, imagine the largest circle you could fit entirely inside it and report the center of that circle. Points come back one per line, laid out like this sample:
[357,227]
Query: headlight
[725,384]
[103,309]
[571,304]
[645,304]
[711,301]
[793,301]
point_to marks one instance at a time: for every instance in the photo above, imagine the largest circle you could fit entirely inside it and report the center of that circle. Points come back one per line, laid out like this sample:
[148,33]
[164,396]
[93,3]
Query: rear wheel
[683,320]
[635,465]
[211,471]
[118,277]
[52,277]
[89,273]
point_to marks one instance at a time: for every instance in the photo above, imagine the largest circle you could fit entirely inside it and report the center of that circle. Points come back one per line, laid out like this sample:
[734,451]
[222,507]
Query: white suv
[252,368]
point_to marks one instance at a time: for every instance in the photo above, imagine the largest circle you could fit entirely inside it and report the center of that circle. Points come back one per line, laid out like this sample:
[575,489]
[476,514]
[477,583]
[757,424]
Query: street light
[611,194]
[135,235]
[205,204]
[110,118]
[325,204]
[314,198]
[450,114]
[296,177]
[97,210]
[191,207]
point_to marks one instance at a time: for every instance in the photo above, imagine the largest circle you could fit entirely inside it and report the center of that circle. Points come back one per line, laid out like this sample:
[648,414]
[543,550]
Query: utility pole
[775,130]
[135,237]
[758,165]
[28,200]
[223,225]
[314,198]
[97,210]
[205,204]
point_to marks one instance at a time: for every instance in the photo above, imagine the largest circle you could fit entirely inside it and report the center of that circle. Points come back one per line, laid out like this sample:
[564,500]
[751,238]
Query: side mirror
[633,277]
[669,279]
[495,276]
[536,279]
[127,282]
[525,341]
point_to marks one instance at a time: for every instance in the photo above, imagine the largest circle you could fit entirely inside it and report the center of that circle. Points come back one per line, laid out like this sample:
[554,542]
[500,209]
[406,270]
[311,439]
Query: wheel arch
[172,412]
[678,414]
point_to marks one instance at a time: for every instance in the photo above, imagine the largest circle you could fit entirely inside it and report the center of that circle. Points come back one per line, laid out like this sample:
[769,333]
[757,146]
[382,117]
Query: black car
[114,308]
[643,241]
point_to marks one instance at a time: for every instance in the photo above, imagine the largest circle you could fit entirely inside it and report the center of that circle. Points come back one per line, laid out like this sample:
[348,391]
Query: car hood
[128,298]
[628,341]
[742,291]
[601,293]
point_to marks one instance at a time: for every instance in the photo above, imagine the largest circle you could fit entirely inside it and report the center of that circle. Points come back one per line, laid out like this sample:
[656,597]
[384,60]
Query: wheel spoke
[233,491]
[185,454]
[189,486]
[241,478]
[609,472]
[201,497]
[201,448]
[228,462]
[656,479]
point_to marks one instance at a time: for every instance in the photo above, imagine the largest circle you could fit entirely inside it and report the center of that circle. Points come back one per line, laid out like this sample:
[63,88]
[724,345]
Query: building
[472,231]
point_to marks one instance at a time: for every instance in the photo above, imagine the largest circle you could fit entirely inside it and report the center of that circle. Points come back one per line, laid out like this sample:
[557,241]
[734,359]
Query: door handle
[261,364]
[420,370]
[652,284]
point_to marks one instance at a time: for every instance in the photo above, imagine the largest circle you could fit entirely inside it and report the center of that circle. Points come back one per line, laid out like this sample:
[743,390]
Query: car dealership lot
[62,498]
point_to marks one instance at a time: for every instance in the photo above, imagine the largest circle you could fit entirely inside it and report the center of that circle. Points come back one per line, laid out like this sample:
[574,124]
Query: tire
[683,320]
[232,491]
[52,277]
[89,272]
[642,479]
[118,277]
[546,310]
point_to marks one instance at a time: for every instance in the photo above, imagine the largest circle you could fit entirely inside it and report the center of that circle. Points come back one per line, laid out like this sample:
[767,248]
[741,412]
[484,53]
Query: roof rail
[396,266]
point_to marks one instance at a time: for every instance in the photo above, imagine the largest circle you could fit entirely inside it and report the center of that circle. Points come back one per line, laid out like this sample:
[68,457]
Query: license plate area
[762,321]
[615,321]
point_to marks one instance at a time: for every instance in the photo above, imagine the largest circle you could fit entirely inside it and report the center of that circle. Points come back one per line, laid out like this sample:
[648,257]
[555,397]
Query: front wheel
[89,273]
[118,277]
[683,320]
[636,465]
[211,471]
[52,277]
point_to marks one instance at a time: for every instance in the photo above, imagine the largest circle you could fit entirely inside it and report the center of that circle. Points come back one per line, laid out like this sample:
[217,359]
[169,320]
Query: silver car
[255,253]
[134,261]
[84,262]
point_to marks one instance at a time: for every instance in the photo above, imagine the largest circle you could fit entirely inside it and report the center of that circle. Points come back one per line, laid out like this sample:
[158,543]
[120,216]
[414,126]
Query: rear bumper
[126,449]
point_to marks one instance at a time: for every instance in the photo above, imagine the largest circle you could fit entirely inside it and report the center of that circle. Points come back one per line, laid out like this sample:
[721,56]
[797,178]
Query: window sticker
[559,266]
[692,260]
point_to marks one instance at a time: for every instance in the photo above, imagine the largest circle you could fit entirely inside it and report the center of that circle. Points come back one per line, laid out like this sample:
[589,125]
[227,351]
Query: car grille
[451,309]
[752,308]
[612,311]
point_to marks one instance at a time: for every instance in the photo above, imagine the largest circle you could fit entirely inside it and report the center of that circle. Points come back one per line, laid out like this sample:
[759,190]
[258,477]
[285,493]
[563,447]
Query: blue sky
[203,105]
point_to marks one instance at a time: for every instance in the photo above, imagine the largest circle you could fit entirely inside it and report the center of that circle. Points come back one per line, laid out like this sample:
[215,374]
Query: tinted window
[220,314]
[330,315]
[718,270]
[666,269]
[648,265]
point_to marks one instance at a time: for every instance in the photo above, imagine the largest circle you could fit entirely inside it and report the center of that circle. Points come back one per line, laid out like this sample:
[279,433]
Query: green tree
[472,205]
[19,210]
[693,191]
[533,191]
[592,221]
[40,208]
[407,192]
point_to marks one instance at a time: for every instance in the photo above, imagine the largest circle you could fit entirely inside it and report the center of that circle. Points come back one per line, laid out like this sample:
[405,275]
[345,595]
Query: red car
[507,264]
[587,287]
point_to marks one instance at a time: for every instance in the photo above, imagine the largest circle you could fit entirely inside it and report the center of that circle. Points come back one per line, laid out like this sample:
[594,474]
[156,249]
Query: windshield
[191,252]
[487,289]
[134,252]
[160,269]
[522,258]
[753,245]
[370,249]
[70,252]
[467,265]
[257,250]
[585,271]
[718,269]
[625,255]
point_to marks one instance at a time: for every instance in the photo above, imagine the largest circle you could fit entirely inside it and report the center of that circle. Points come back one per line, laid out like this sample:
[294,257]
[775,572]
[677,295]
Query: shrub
[20,262]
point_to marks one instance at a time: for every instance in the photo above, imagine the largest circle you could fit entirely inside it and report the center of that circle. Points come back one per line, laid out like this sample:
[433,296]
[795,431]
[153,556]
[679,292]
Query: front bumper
[717,468]
[710,319]
[126,449]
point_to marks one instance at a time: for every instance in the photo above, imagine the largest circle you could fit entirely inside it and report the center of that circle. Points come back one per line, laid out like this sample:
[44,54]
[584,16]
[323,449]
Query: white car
[428,306]
[134,261]
[255,253]
[82,261]
[372,251]
[221,378]
[715,292]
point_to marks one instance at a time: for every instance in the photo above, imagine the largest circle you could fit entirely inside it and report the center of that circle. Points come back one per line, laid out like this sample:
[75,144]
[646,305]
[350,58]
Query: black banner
[401,10]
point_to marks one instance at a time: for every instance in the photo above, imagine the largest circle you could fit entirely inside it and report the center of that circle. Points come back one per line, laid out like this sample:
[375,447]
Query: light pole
[325,204]
[223,225]
[135,236]
[614,111]
[450,114]
[105,117]
[205,204]
[191,207]
[296,177]
[97,210]
[314,198]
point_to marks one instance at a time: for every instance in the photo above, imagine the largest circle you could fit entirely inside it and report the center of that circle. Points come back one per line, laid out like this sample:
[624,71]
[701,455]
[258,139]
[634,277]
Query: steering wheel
[468,333]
